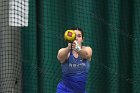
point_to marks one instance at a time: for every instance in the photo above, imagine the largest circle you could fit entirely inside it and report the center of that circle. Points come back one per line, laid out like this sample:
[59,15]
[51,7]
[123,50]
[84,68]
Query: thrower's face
[79,37]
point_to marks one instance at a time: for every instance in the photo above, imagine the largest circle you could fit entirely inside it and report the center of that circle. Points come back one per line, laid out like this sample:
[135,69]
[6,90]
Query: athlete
[75,62]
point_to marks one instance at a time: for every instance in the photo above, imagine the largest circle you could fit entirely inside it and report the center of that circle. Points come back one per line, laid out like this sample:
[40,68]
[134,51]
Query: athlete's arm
[85,53]
[63,53]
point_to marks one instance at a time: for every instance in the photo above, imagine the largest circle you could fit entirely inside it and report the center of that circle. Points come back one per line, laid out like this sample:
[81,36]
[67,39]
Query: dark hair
[81,30]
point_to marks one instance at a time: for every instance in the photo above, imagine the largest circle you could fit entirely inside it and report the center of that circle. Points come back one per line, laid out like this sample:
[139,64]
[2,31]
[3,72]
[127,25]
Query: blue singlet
[74,75]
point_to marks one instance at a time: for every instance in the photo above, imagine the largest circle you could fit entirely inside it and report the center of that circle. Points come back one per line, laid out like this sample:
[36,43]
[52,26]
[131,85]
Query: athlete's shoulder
[87,48]
[61,49]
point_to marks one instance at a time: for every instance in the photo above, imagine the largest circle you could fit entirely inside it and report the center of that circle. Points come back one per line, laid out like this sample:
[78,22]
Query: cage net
[31,33]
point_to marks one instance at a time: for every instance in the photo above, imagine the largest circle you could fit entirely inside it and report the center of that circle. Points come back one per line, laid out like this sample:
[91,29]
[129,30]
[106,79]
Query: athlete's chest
[78,62]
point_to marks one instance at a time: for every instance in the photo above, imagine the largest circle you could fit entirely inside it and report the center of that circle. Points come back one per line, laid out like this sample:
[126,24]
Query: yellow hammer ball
[70,35]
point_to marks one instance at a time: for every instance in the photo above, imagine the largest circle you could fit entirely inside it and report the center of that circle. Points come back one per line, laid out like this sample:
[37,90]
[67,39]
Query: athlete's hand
[71,46]
[76,48]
